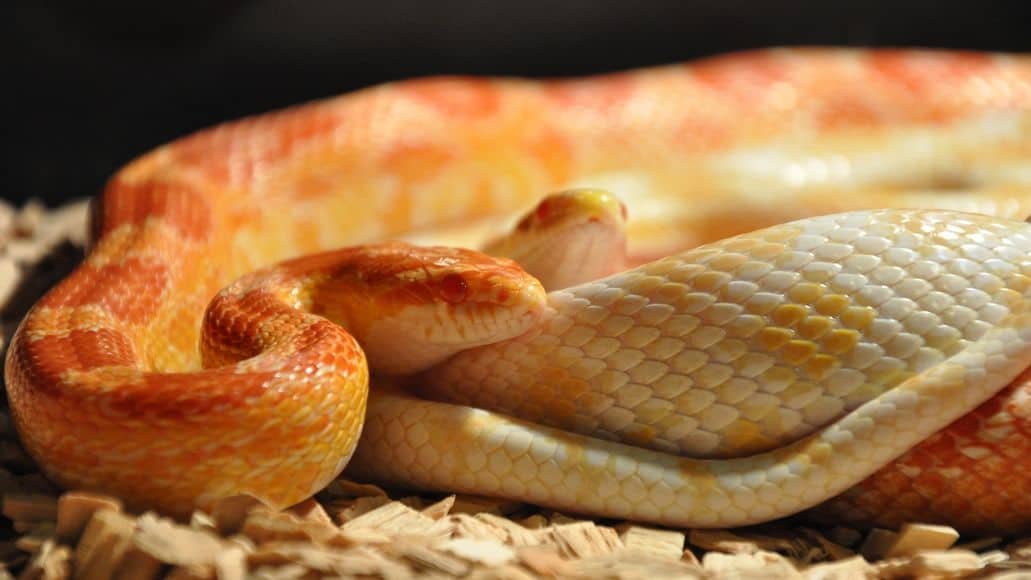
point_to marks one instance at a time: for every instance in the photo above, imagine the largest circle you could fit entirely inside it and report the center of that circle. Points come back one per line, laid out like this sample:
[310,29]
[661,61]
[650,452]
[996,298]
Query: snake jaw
[495,306]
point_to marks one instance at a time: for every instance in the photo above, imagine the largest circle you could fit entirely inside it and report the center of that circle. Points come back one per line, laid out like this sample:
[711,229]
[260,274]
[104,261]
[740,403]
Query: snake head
[417,306]
[568,238]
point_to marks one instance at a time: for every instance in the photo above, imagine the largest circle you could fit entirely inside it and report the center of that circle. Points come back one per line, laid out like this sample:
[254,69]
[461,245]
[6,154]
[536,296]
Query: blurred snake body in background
[829,306]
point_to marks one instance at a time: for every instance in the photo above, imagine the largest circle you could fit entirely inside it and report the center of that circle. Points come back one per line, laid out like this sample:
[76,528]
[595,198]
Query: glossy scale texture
[107,390]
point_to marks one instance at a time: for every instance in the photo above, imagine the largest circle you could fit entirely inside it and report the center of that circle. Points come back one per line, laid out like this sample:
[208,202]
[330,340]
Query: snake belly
[107,390]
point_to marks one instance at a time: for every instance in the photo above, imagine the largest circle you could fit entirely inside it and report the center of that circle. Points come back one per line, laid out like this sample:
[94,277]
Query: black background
[91,85]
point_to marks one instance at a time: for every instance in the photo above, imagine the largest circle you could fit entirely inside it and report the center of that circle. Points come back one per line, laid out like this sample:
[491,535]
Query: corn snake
[738,142]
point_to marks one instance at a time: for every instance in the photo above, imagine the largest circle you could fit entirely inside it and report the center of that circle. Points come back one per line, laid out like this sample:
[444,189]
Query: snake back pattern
[810,350]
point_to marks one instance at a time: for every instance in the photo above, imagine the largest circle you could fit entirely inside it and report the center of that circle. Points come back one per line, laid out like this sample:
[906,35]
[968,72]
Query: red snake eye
[544,209]
[453,288]
[623,211]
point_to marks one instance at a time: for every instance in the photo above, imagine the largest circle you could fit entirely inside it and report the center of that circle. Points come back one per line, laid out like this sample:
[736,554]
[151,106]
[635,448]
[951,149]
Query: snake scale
[800,345]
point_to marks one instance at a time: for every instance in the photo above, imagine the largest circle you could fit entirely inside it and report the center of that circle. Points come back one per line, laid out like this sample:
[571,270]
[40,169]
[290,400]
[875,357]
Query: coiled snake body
[795,363]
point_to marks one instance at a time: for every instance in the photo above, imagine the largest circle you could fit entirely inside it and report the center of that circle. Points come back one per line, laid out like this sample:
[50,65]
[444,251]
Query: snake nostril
[454,288]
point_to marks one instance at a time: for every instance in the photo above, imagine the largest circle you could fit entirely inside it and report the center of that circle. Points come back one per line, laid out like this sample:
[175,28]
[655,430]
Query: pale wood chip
[30,508]
[757,565]
[231,564]
[74,510]
[311,556]
[241,541]
[72,221]
[310,510]
[513,533]
[582,539]
[831,549]
[916,537]
[663,544]
[891,568]
[991,558]
[944,563]
[635,565]
[467,526]
[34,538]
[1011,575]
[346,489]
[394,517]
[854,568]
[545,561]
[264,527]
[441,509]
[26,251]
[10,278]
[486,552]
[174,544]
[203,522]
[426,558]
[359,537]
[104,543]
[722,541]
[29,217]
[474,504]
[231,512]
[51,562]
[877,543]
[7,213]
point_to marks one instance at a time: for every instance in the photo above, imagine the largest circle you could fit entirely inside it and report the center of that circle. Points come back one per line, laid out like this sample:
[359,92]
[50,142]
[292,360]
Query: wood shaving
[915,537]
[51,561]
[757,565]
[74,511]
[359,530]
[661,544]
[486,552]
[440,509]
[854,568]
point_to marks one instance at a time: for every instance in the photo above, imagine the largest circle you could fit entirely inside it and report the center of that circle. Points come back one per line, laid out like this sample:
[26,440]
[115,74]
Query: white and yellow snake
[730,383]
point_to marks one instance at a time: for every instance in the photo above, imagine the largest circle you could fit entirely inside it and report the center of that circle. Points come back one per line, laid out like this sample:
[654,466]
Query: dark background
[91,85]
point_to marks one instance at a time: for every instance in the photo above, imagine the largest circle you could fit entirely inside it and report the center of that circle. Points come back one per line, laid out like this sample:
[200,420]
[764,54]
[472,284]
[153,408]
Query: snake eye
[623,211]
[544,210]
[453,288]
